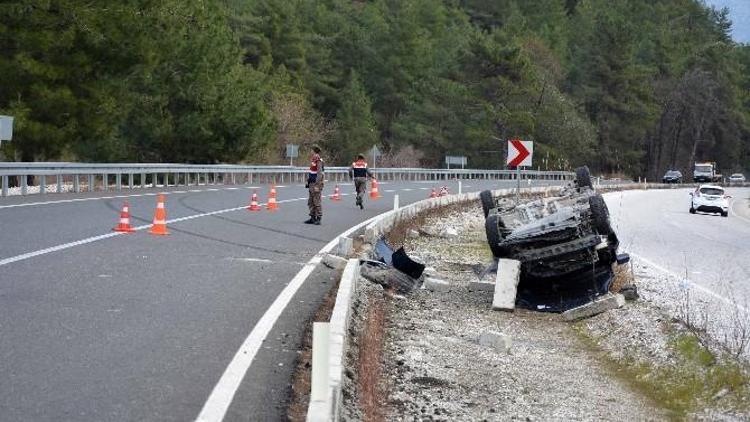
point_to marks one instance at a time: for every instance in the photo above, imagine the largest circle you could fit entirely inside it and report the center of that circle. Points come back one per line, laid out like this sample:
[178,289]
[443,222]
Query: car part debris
[388,277]
[565,243]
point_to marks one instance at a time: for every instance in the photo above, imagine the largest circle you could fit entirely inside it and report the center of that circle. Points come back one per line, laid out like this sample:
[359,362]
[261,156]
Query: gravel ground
[435,369]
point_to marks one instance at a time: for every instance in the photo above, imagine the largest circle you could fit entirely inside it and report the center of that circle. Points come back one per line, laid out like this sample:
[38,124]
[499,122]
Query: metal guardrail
[84,177]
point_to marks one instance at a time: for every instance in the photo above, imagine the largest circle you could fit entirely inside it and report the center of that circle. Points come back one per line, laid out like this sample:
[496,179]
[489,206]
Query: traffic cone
[336,194]
[254,202]
[124,225]
[374,194]
[443,191]
[433,194]
[272,204]
[159,226]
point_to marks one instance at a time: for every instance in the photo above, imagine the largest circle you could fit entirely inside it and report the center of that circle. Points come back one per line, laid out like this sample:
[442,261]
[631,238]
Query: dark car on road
[672,176]
[565,244]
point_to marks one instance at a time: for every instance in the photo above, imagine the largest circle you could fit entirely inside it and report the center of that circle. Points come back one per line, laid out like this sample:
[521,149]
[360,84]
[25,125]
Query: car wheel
[583,177]
[692,210]
[725,214]
[488,202]
[494,236]
[600,215]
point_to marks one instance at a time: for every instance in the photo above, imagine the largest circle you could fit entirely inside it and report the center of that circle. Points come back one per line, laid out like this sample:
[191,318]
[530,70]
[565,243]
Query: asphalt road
[95,327]
[706,249]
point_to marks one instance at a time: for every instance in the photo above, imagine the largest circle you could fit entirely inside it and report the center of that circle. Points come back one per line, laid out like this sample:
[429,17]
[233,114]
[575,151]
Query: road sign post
[375,153]
[292,152]
[520,154]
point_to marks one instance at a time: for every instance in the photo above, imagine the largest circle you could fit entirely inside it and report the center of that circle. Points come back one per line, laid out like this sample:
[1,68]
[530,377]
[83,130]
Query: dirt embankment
[634,363]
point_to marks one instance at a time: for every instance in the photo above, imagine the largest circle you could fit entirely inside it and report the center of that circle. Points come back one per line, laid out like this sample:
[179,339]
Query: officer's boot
[311,220]
[317,220]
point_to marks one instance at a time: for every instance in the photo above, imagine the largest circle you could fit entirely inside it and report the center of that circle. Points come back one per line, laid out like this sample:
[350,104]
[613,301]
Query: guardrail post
[43,184]
[105,182]
[77,183]
[24,187]
[130,181]
[143,180]
[5,186]
[59,183]
[118,181]
[154,180]
[91,182]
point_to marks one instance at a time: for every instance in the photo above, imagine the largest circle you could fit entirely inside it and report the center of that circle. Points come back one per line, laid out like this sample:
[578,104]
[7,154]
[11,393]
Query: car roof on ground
[710,187]
[737,174]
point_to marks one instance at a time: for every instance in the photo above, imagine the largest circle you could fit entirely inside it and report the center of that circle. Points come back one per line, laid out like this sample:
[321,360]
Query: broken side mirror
[623,258]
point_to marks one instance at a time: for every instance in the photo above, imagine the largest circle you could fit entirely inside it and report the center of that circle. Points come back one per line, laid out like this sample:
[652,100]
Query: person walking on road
[359,172]
[315,187]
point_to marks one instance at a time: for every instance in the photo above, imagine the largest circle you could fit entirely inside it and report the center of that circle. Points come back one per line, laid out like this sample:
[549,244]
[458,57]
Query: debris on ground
[449,356]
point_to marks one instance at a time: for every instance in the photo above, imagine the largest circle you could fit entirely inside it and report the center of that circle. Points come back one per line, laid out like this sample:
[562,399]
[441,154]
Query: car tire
[583,177]
[692,210]
[492,227]
[725,214]
[488,202]
[600,215]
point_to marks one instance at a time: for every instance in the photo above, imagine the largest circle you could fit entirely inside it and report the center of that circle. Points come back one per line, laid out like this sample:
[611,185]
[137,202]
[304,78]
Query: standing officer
[315,187]
[359,172]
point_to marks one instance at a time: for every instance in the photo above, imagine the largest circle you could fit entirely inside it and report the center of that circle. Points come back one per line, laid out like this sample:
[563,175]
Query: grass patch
[699,379]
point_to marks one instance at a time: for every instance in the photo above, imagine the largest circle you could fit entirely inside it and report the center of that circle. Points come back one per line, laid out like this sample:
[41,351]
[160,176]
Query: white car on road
[709,198]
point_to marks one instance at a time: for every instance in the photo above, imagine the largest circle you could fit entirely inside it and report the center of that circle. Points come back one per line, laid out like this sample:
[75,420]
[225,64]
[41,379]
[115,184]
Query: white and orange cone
[272,204]
[433,194]
[336,194]
[443,191]
[159,227]
[374,193]
[124,225]
[254,202]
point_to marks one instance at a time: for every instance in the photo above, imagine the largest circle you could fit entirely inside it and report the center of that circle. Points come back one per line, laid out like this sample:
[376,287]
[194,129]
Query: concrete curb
[327,408]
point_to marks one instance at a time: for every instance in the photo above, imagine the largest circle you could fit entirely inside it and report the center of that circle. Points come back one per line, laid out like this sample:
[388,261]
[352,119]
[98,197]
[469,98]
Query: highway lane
[138,327]
[709,250]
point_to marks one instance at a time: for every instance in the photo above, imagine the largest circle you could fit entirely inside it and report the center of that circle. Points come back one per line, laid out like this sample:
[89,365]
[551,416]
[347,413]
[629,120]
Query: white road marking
[135,195]
[45,251]
[69,245]
[223,393]
[678,277]
[407,190]
[389,191]
[731,208]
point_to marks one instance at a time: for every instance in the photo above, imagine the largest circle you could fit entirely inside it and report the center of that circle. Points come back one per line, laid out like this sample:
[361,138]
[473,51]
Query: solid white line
[45,251]
[28,255]
[678,277]
[223,393]
[135,195]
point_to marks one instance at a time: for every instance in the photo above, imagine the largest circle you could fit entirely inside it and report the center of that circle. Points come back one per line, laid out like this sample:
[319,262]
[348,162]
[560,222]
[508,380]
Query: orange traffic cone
[336,194]
[272,204]
[433,194]
[254,202]
[124,225]
[374,194]
[160,218]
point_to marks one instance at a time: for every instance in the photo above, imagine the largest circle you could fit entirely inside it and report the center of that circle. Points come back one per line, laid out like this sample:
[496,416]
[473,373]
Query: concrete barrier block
[334,262]
[506,284]
[602,304]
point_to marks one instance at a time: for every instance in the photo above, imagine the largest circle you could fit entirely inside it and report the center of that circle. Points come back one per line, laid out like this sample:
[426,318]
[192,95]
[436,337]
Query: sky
[739,12]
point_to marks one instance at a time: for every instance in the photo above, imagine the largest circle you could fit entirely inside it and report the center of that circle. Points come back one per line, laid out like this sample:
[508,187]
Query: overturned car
[565,244]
